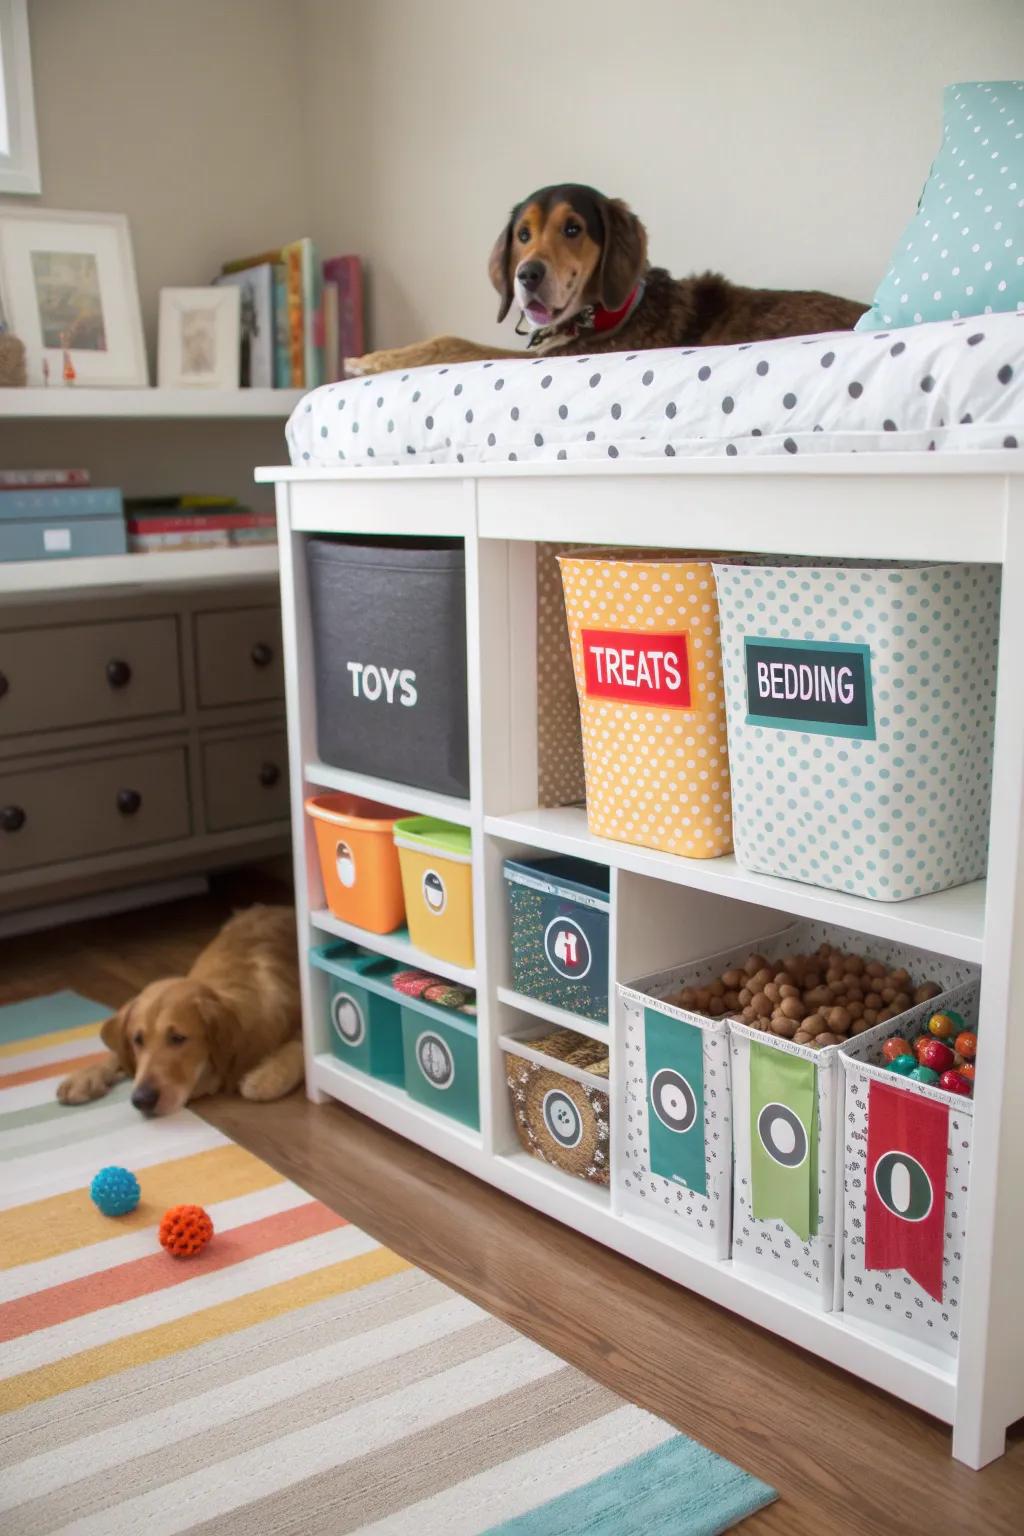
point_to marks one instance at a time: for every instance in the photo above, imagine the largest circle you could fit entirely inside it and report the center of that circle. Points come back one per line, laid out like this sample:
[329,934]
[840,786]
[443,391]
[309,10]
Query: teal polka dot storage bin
[860,704]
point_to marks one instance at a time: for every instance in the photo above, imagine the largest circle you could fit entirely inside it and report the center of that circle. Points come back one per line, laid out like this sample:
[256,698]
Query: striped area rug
[296,1377]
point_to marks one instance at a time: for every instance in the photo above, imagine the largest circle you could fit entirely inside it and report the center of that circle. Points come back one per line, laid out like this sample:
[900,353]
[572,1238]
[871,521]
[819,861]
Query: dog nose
[530,274]
[145,1098]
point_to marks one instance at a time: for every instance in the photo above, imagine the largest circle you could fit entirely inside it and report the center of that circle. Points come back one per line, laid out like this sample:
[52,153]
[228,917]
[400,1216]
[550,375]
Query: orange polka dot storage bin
[648,664]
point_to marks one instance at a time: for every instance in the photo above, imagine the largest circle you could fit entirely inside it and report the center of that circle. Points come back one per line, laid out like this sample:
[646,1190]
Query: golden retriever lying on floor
[231,1025]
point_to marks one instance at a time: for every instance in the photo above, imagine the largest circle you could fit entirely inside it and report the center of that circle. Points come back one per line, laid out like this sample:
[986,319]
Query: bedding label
[637,668]
[822,688]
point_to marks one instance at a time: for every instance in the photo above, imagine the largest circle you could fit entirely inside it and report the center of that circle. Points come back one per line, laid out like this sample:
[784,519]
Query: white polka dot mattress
[948,386]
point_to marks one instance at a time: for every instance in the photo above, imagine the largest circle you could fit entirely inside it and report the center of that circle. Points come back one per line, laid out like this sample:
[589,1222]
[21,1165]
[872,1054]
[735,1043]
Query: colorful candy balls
[895,1047]
[920,1043]
[954,1082]
[937,1055]
[943,1025]
[924,1075]
[185,1230]
[966,1044]
[967,1070]
[904,1066]
[115,1191]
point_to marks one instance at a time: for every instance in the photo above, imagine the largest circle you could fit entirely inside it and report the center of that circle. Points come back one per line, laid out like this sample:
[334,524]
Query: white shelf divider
[551,1015]
[397,946]
[418,802]
[950,922]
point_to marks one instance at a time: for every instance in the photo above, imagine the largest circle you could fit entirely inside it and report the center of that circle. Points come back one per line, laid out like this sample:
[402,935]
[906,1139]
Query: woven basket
[561,1117]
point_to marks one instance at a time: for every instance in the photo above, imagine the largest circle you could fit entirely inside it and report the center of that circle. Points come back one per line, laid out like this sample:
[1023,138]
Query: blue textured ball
[115,1191]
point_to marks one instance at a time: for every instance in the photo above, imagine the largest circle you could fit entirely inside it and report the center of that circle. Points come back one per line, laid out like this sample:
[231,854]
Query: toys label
[636,668]
[435,894]
[395,685]
[562,1119]
[821,688]
[435,1060]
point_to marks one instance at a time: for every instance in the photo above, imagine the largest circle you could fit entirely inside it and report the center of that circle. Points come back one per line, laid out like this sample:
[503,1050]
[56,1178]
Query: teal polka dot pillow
[963,251]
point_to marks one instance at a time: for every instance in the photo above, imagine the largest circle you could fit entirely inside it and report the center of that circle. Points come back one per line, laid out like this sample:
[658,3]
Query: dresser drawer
[238,656]
[245,780]
[77,810]
[88,674]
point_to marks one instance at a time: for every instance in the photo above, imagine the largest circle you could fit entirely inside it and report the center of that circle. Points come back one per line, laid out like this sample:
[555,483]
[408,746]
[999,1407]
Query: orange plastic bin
[359,860]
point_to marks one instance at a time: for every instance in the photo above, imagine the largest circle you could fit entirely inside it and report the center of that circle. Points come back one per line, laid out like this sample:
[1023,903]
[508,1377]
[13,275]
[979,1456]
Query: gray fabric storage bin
[389,634]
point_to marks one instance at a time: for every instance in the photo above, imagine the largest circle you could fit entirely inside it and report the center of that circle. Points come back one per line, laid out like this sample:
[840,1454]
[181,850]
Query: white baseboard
[103,904]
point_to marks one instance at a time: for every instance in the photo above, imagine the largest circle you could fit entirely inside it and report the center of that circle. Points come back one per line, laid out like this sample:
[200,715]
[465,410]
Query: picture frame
[200,330]
[256,323]
[19,150]
[68,291]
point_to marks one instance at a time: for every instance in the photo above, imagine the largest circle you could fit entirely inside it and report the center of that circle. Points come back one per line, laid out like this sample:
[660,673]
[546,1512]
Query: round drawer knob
[4,684]
[12,818]
[270,774]
[119,674]
[262,654]
[128,801]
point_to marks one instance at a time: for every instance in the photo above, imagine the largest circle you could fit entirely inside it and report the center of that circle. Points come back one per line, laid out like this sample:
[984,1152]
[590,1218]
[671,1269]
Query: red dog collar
[594,318]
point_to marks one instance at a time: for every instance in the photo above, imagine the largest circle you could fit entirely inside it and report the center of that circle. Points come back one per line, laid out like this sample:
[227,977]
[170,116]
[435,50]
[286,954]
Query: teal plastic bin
[441,1061]
[365,1012]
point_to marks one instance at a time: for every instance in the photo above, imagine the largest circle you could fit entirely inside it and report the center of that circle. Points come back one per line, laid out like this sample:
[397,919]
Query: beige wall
[184,114]
[782,141]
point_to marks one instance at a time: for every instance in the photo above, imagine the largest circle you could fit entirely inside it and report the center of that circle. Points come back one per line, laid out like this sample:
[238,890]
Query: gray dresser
[142,737]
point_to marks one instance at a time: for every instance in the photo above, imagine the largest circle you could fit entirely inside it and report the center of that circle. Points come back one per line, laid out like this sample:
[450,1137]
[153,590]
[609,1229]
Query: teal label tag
[674,1052]
[822,687]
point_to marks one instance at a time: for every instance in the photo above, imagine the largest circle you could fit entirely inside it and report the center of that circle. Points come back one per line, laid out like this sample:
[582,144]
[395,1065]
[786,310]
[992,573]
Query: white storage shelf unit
[667,910]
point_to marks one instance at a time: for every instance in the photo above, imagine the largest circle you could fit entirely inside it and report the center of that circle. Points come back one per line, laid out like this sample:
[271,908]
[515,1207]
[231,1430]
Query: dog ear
[114,1034]
[498,267]
[222,1037]
[623,253]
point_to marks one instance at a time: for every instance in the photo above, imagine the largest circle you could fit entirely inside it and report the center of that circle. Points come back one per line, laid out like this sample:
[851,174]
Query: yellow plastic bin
[646,652]
[437,878]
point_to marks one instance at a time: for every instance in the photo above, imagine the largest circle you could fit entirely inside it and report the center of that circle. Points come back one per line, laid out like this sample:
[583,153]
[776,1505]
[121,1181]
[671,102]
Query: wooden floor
[845,1458]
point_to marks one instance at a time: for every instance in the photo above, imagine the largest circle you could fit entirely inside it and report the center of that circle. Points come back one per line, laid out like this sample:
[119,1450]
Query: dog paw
[354,366]
[83,1086]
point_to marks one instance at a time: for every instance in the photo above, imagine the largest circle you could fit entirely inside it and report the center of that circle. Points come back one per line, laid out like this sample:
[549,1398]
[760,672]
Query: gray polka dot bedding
[948,386]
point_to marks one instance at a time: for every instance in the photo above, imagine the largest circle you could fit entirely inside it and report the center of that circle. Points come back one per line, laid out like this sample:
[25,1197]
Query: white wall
[187,115]
[784,143]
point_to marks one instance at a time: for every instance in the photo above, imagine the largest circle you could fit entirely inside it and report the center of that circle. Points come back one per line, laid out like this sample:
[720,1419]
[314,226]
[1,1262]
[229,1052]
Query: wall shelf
[78,401]
[558,1016]
[164,568]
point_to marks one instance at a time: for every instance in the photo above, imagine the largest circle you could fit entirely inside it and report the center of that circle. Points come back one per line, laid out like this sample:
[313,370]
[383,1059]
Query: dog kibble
[815,1000]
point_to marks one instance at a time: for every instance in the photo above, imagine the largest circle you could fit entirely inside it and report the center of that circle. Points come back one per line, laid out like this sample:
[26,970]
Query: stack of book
[194,522]
[48,514]
[300,317]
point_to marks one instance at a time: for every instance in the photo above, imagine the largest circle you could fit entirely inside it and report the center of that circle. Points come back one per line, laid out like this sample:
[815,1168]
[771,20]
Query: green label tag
[783,1139]
[675,1099]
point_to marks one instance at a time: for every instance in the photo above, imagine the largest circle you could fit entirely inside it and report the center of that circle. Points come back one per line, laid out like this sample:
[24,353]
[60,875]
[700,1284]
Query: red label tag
[905,1197]
[637,668]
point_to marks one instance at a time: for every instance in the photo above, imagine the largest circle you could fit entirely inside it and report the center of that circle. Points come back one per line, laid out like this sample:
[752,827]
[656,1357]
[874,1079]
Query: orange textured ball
[185,1230]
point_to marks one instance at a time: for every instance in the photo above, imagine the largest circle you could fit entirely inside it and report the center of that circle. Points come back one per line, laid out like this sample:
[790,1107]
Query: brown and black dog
[574,262]
[231,1025]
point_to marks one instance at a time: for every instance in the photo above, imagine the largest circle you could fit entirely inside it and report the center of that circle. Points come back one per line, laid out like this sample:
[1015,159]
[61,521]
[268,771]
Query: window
[19,157]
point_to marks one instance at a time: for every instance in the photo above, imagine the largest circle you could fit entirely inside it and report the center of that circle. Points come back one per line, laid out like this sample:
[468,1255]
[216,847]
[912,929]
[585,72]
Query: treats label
[637,668]
[822,687]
